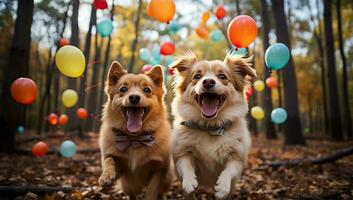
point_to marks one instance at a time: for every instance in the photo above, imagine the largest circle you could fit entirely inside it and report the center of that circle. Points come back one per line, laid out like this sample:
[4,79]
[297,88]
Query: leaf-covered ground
[329,181]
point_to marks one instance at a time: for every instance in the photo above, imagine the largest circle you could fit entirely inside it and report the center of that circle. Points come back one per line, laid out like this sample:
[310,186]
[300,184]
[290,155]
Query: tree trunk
[334,115]
[87,50]
[75,41]
[347,111]
[93,93]
[134,43]
[293,132]
[12,113]
[106,64]
[318,37]
[270,128]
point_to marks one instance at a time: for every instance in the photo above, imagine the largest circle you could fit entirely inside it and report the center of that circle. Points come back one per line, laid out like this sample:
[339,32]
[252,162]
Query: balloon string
[92,87]
[270,72]
[94,117]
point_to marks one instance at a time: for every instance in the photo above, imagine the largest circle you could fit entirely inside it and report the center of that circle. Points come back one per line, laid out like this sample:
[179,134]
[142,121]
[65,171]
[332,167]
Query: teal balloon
[105,27]
[216,35]
[239,51]
[154,61]
[156,53]
[173,27]
[277,56]
[68,149]
[145,54]
[279,115]
[169,60]
[20,129]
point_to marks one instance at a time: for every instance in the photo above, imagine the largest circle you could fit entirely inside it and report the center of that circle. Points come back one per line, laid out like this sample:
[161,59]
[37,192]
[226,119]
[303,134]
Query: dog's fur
[200,158]
[147,166]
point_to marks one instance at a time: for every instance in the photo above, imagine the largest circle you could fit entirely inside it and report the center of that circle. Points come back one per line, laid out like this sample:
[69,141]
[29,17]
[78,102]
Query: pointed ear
[156,74]
[116,71]
[240,66]
[184,63]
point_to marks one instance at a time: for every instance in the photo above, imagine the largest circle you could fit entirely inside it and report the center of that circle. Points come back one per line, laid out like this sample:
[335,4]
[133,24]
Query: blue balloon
[68,149]
[279,115]
[169,60]
[173,27]
[156,52]
[105,27]
[216,35]
[145,54]
[20,129]
[152,61]
[277,56]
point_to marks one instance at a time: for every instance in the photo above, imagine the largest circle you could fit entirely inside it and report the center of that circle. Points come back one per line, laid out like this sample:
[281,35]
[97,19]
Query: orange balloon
[40,149]
[220,12]
[53,119]
[64,42]
[205,17]
[24,90]
[162,10]
[271,82]
[82,113]
[202,31]
[242,31]
[63,119]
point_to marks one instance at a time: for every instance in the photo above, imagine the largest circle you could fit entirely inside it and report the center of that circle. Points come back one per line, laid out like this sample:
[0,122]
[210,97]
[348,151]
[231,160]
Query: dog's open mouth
[209,103]
[134,117]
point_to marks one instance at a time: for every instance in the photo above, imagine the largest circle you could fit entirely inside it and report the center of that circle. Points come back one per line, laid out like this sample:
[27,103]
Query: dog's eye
[124,89]
[147,90]
[222,76]
[197,76]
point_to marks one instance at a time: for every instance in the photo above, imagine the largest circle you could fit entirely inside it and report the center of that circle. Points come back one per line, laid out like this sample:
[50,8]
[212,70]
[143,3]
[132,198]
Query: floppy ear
[116,71]
[156,74]
[184,62]
[240,66]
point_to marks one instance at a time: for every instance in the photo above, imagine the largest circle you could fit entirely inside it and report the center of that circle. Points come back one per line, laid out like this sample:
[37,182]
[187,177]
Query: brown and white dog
[135,133]
[210,141]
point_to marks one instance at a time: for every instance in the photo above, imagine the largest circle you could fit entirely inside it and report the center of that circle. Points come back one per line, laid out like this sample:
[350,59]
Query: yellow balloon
[69,98]
[259,85]
[257,112]
[70,61]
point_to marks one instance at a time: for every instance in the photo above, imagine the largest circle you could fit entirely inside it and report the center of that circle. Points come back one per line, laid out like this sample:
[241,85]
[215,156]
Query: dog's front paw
[189,183]
[107,178]
[222,187]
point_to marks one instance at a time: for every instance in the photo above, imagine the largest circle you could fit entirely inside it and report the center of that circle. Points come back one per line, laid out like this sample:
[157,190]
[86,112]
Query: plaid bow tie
[124,141]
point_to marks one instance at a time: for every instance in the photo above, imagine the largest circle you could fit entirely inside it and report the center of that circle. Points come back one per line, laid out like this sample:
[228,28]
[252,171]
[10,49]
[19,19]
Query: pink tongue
[209,106]
[134,119]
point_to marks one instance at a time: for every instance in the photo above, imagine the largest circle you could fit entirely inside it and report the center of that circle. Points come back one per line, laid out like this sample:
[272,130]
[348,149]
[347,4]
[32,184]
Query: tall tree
[106,62]
[18,66]
[87,50]
[93,94]
[334,116]
[134,42]
[270,129]
[347,111]
[317,32]
[293,132]
[75,41]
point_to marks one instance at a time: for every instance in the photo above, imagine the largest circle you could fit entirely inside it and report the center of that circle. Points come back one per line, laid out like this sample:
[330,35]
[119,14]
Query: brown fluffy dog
[210,136]
[135,133]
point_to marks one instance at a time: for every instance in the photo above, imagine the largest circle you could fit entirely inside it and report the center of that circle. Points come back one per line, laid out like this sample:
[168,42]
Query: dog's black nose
[134,99]
[208,83]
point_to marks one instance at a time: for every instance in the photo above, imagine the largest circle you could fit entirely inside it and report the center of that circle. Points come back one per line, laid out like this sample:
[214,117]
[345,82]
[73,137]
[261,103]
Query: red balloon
[82,113]
[242,31]
[271,82]
[64,42]
[167,48]
[53,119]
[100,4]
[63,119]
[24,90]
[220,12]
[249,91]
[146,68]
[170,71]
[40,149]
